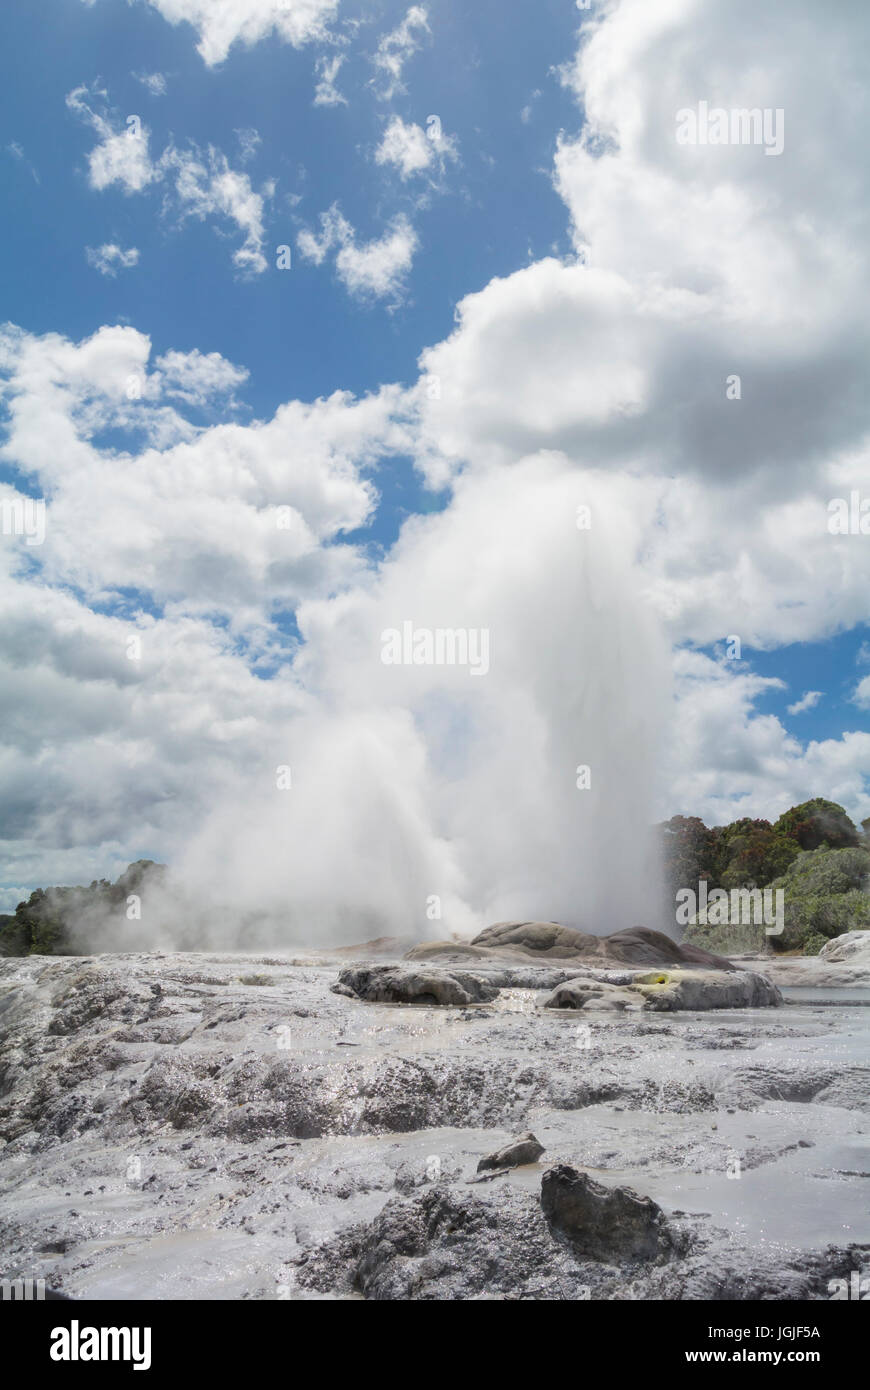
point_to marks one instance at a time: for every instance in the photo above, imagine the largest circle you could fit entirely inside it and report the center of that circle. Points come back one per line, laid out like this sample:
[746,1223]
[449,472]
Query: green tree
[689,851]
[56,921]
[752,853]
[816,823]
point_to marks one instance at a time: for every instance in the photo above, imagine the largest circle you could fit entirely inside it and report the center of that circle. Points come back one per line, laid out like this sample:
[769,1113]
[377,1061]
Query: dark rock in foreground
[388,984]
[526,1149]
[448,1244]
[604,1223]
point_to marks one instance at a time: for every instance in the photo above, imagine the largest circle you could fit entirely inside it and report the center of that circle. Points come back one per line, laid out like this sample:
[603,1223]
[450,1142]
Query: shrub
[825,895]
[814,943]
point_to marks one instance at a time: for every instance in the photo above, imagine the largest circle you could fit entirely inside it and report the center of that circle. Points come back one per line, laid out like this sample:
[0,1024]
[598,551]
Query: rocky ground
[217,1126]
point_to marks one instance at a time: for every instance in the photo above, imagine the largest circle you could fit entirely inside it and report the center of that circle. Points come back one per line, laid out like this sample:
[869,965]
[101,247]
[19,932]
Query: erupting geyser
[430,793]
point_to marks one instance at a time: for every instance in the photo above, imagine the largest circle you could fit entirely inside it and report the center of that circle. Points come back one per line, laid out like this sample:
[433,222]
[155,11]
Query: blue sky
[550,257]
[298,333]
[829,667]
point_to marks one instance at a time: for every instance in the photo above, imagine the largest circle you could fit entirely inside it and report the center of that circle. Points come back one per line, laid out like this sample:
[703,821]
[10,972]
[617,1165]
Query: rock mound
[852,946]
[449,1245]
[641,946]
[538,939]
[582,992]
[550,940]
[604,1223]
[392,984]
[707,989]
[665,991]
[447,952]
[378,946]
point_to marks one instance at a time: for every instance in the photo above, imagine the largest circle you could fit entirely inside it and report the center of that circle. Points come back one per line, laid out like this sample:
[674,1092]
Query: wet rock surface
[581,988]
[191,1125]
[685,990]
[668,991]
[604,1223]
[583,992]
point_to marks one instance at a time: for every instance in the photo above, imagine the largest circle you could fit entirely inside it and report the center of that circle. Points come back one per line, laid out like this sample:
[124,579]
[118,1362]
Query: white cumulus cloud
[222,23]
[600,380]
[375,269]
[121,154]
[411,150]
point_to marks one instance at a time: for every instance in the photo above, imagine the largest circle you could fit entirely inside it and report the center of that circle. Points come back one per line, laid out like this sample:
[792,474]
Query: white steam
[419,788]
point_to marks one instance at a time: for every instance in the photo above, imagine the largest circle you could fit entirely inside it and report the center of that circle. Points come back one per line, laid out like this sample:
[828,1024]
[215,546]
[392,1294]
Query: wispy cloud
[110,258]
[807,701]
[206,186]
[17,152]
[204,183]
[250,141]
[396,48]
[326,93]
[153,82]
